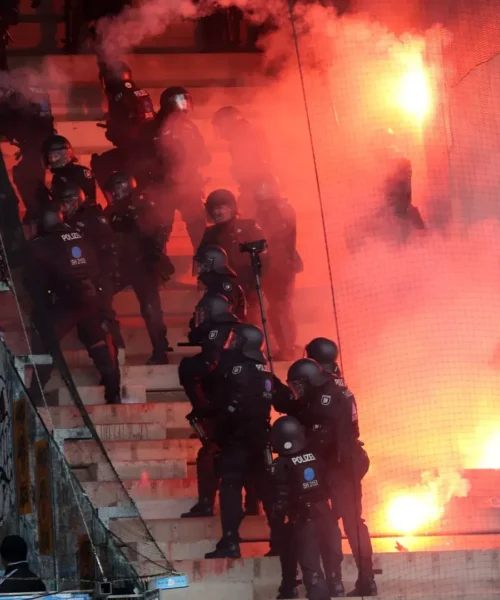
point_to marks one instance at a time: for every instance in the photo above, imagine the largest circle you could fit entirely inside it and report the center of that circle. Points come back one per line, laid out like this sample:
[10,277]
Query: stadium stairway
[147,438]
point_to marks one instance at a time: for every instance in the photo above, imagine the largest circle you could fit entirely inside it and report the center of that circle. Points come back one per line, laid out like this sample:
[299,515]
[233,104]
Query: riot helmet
[305,374]
[57,152]
[119,187]
[69,195]
[110,75]
[267,188]
[211,259]
[287,436]
[221,206]
[176,99]
[213,308]
[247,339]
[224,121]
[323,351]
[51,217]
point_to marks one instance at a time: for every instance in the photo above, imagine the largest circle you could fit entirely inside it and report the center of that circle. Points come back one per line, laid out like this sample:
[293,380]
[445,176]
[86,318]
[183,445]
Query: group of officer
[315,479]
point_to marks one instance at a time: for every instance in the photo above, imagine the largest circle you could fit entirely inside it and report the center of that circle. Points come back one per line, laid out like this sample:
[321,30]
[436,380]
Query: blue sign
[268,385]
[76,252]
[172,582]
[61,596]
[309,474]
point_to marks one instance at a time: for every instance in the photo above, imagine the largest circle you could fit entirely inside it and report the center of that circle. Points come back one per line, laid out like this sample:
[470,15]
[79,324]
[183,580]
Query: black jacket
[18,579]
[79,175]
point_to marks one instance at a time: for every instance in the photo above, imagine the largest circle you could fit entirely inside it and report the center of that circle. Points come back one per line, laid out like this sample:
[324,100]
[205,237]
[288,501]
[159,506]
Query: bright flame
[414,95]
[410,513]
[490,457]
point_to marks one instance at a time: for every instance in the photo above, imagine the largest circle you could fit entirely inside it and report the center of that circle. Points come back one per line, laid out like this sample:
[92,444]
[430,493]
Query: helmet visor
[182,102]
[298,388]
[234,342]
[202,266]
[201,315]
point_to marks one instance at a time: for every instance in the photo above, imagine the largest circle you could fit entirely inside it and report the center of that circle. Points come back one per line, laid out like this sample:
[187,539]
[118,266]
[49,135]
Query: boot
[368,587]
[200,509]
[336,588]
[286,593]
[225,549]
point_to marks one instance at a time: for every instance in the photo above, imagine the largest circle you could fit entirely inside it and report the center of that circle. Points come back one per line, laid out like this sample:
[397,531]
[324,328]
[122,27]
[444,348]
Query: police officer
[33,123]
[60,159]
[66,267]
[302,494]
[94,226]
[198,375]
[228,232]
[250,154]
[140,240]
[325,352]
[211,266]
[182,154]
[327,408]
[280,230]
[130,127]
[242,412]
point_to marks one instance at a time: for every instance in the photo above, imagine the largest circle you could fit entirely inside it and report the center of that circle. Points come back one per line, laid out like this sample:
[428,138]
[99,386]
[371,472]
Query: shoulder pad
[213,334]
[237,369]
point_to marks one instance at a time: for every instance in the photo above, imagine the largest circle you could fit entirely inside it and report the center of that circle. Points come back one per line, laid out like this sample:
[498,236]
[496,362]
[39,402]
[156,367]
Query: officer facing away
[325,352]
[327,408]
[301,493]
[242,411]
[228,232]
[140,240]
[211,266]
[182,154]
[199,375]
[67,269]
[130,127]
[89,220]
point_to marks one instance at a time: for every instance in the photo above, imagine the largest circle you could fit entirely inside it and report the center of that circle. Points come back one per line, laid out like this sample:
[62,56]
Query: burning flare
[490,456]
[416,510]
[413,94]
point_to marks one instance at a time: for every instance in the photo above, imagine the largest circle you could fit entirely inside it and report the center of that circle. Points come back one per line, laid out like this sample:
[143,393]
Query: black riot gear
[305,374]
[323,351]
[70,196]
[51,218]
[218,198]
[175,98]
[213,308]
[119,187]
[287,436]
[210,259]
[248,340]
[57,152]
[115,74]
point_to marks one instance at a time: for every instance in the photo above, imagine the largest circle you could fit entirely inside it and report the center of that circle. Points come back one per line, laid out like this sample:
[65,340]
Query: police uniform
[140,242]
[301,494]
[93,224]
[226,286]
[183,153]
[67,267]
[229,236]
[80,176]
[330,414]
[242,433]
[130,127]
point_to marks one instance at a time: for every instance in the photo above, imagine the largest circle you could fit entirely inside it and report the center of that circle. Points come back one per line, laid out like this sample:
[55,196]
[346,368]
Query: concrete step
[153,469]
[94,395]
[191,530]
[109,494]
[80,452]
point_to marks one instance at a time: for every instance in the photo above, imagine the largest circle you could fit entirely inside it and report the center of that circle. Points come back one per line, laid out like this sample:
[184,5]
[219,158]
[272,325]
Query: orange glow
[414,95]
[490,456]
[412,512]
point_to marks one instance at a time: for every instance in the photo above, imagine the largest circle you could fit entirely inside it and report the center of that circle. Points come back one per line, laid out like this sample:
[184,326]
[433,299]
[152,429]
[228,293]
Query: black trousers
[235,463]
[346,494]
[92,335]
[187,200]
[145,284]
[108,313]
